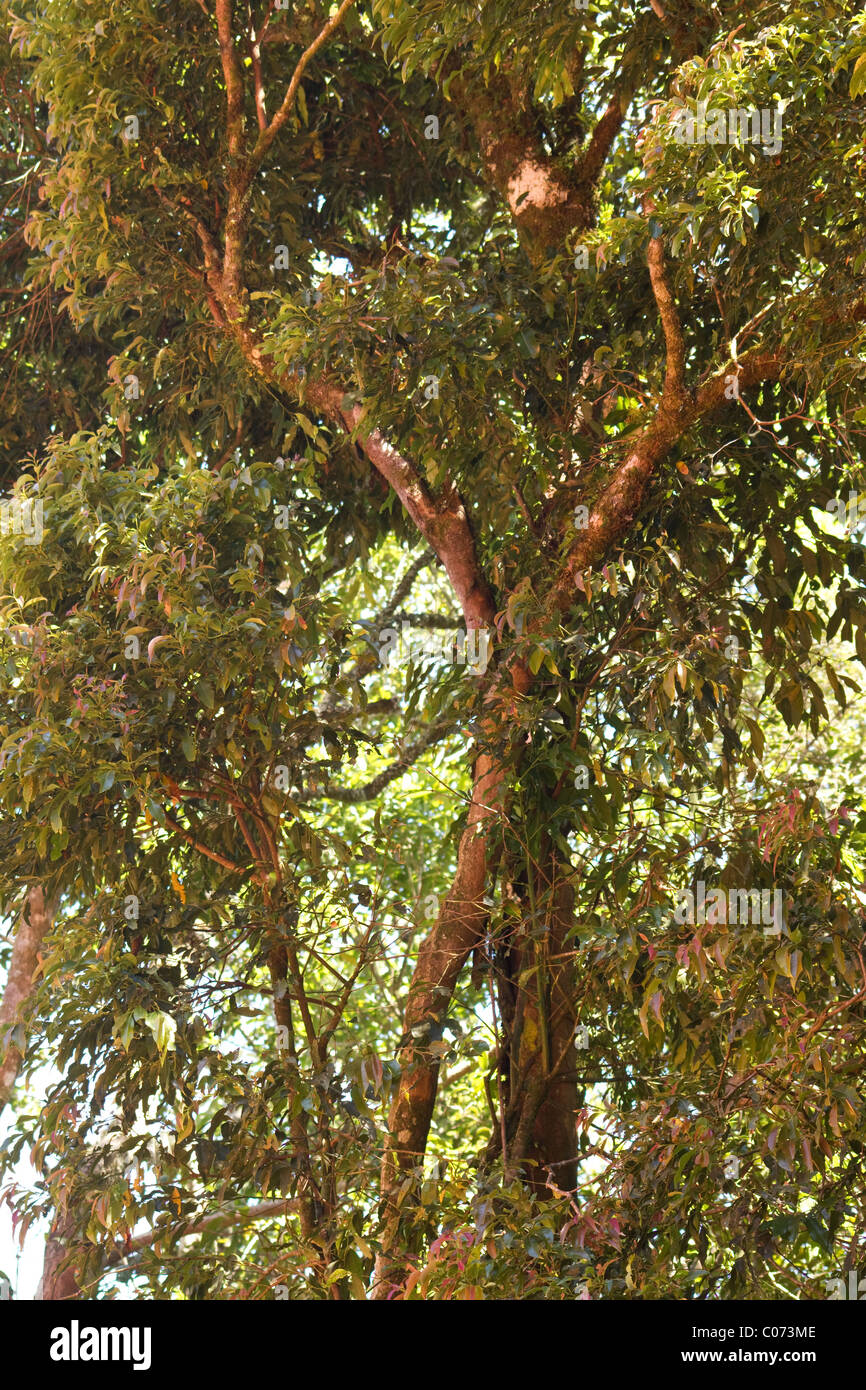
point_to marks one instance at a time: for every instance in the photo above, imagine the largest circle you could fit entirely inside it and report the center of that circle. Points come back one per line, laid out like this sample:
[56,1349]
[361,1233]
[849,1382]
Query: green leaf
[163,1028]
[857,84]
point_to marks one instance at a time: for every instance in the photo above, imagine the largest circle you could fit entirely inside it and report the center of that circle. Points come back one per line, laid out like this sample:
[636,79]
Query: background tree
[428,316]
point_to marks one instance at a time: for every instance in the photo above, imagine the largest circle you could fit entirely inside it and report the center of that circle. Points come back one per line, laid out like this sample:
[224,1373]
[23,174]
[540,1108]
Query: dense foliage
[448,473]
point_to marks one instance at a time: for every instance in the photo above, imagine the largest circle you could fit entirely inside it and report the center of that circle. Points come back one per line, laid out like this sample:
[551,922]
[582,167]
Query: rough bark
[441,958]
[552,1149]
[548,198]
[60,1283]
[35,923]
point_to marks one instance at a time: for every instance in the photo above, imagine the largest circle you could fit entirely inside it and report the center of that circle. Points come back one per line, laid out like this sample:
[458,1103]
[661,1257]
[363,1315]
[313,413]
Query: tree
[538,331]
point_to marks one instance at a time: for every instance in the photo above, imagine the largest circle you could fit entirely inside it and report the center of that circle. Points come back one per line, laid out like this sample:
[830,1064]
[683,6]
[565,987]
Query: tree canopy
[433,619]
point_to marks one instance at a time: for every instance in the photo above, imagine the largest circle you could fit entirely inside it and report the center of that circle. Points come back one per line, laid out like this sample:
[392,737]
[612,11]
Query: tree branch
[233,77]
[601,140]
[618,504]
[371,789]
[239,177]
[547,200]
[219,1221]
[675,347]
[202,849]
[267,137]
[404,588]
[443,523]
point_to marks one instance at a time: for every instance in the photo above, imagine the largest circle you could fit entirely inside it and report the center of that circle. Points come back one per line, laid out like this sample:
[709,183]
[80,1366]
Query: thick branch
[238,177]
[233,77]
[443,523]
[618,504]
[187,835]
[547,200]
[59,1283]
[601,140]
[675,347]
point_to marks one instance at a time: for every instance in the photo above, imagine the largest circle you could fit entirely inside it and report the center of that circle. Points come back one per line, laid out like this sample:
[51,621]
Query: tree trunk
[35,923]
[58,1284]
[444,952]
[542,1052]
